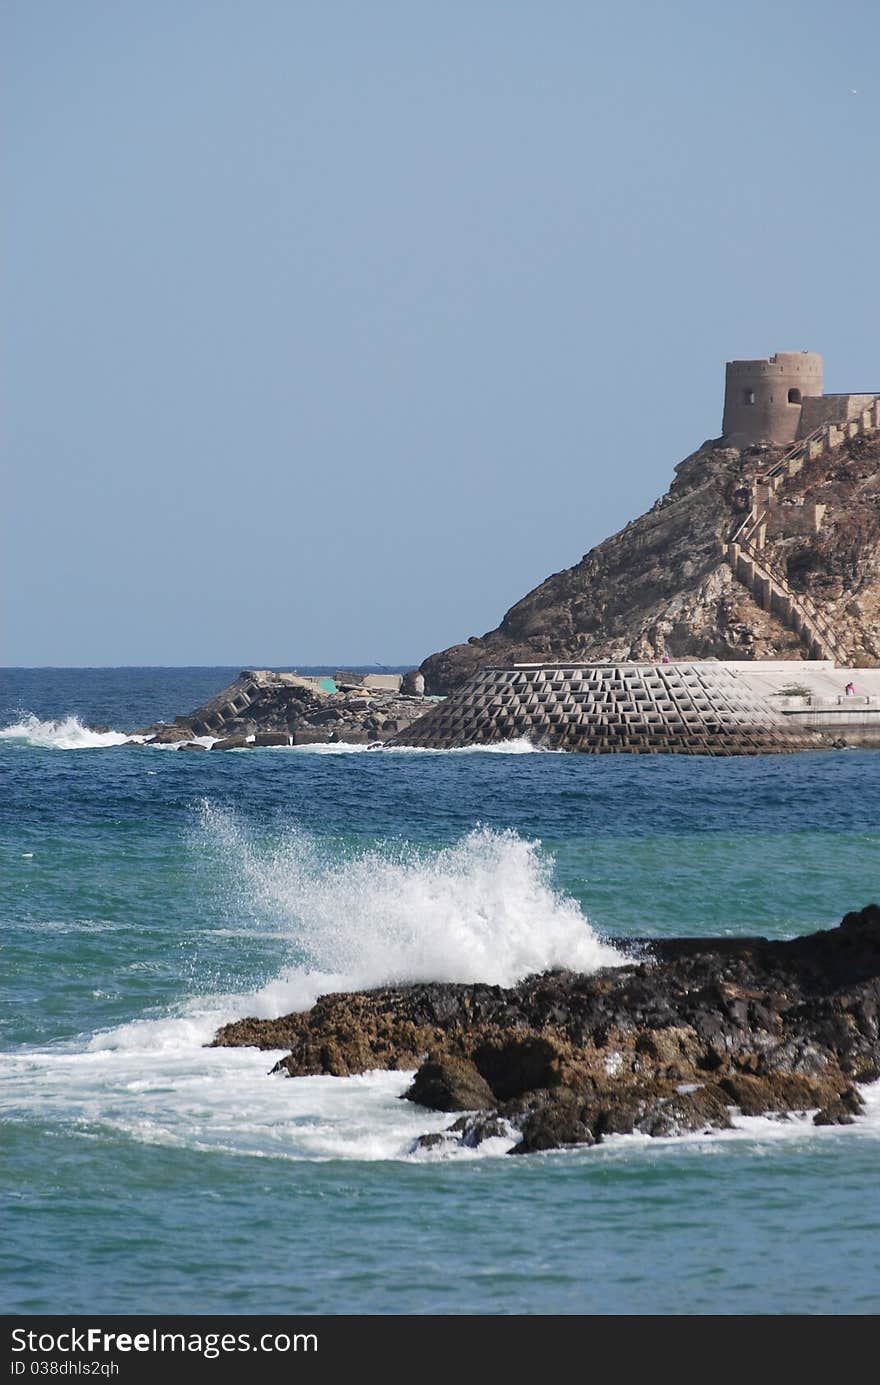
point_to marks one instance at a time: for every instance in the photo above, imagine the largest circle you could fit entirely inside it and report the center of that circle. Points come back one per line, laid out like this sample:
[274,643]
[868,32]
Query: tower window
[794,396]
[748,396]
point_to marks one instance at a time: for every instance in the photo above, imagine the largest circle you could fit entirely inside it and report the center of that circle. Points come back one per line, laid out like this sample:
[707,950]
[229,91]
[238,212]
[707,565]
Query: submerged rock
[684,1032]
[434,1140]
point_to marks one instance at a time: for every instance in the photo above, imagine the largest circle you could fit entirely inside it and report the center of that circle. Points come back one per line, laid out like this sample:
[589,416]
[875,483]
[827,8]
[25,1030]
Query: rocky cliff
[663,585]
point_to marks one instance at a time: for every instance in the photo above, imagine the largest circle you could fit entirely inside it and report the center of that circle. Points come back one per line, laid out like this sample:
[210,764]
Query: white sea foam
[67,733]
[225,1101]
[521,745]
[221,1100]
[483,909]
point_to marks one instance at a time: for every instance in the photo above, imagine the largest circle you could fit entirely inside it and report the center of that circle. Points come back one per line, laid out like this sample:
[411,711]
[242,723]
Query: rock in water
[559,1121]
[669,1042]
[444,1083]
[171,735]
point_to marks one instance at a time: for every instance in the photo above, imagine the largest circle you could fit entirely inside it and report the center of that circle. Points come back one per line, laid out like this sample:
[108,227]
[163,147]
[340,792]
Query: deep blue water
[148,895]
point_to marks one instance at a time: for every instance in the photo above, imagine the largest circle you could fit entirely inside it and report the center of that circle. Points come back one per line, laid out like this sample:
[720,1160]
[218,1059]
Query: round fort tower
[762,399]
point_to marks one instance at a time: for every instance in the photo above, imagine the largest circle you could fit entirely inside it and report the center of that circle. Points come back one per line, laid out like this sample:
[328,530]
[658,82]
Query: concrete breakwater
[686,708]
[682,708]
[264,708]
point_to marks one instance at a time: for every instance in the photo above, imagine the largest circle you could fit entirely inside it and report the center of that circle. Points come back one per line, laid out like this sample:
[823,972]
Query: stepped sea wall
[680,708]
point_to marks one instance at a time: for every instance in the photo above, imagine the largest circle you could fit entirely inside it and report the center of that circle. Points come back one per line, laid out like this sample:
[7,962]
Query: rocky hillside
[663,585]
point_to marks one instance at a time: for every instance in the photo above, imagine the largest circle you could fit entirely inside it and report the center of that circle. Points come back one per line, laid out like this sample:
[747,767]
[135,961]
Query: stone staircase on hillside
[745,549]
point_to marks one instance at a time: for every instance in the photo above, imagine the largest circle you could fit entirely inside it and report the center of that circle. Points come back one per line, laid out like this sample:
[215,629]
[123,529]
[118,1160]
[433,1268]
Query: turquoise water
[149,895]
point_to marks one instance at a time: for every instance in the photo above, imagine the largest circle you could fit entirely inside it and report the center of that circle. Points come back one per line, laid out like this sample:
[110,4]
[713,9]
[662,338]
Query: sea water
[150,895]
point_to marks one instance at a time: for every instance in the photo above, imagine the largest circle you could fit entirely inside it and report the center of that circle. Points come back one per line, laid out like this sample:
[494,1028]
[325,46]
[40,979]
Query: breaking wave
[67,733]
[483,909]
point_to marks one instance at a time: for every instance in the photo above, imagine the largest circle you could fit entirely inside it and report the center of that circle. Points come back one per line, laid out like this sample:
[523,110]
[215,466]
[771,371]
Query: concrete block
[383,682]
[232,743]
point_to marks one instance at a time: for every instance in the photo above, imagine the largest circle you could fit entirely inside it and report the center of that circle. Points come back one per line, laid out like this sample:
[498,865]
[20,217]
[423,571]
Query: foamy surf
[520,746]
[482,909]
[67,733]
[224,1101]
[217,1100]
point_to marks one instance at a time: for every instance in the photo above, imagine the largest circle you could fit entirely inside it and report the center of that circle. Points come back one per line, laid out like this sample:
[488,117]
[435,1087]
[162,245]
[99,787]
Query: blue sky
[334,328]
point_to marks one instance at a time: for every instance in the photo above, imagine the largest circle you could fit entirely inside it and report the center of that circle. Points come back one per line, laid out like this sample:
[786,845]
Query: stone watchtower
[762,399]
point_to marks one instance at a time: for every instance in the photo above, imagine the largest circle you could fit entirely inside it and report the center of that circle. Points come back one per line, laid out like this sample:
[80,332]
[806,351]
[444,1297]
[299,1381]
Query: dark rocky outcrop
[669,1042]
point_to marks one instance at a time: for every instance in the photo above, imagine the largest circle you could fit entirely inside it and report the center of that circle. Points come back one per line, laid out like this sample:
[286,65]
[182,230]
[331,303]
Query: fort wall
[831,408]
